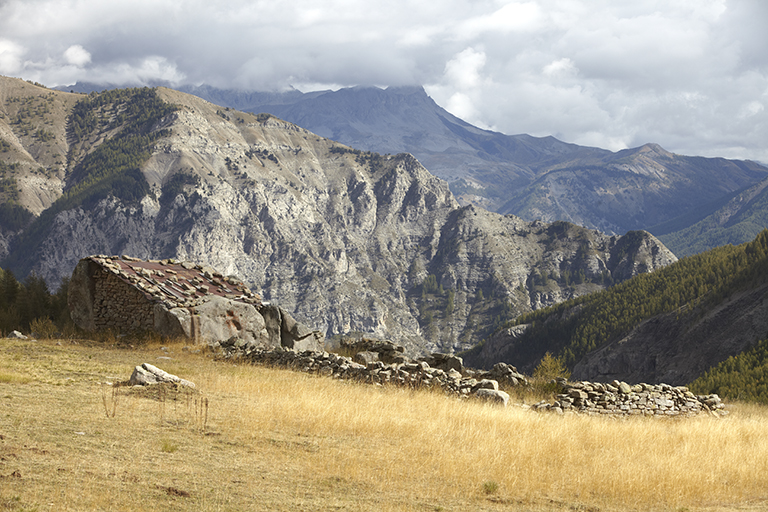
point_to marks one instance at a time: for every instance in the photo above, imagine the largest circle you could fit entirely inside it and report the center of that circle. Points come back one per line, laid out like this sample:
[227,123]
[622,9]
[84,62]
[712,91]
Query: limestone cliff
[346,240]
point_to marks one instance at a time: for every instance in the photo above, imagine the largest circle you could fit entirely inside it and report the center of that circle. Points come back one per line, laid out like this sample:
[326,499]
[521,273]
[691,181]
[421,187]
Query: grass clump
[168,446]
[490,487]
[13,378]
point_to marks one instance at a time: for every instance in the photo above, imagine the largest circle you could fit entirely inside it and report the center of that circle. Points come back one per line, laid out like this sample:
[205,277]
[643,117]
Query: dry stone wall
[178,298]
[414,374]
[616,398]
[120,307]
[620,398]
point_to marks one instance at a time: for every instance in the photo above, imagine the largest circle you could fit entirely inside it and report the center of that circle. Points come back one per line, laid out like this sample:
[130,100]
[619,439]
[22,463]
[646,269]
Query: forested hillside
[111,135]
[741,377]
[687,290]
[30,306]
[737,221]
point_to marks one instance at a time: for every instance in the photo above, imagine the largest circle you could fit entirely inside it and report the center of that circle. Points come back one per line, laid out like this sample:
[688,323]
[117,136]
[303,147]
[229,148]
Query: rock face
[531,177]
[345,241]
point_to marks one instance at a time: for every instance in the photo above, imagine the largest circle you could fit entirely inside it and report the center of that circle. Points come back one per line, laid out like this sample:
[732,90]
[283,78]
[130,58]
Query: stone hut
[179,299]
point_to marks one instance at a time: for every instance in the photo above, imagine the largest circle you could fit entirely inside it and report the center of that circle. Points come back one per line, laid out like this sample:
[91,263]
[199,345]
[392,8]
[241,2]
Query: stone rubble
[620,398]
[404,372]
[592,398]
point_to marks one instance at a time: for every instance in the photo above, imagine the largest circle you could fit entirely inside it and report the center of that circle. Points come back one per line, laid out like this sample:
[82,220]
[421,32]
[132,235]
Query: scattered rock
[147,374]
[365,357]
[444,362]
[493,395]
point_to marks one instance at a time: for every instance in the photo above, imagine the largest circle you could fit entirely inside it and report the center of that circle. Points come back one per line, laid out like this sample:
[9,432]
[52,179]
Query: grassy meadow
[255,438]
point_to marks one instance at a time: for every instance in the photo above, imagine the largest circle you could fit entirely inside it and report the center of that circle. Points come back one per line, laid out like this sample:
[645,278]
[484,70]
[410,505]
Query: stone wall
[617,398]
[620,398]
[178,299]
[119,306]
[413,374]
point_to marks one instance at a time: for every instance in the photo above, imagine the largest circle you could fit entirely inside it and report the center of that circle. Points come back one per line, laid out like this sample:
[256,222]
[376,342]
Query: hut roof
[176,283]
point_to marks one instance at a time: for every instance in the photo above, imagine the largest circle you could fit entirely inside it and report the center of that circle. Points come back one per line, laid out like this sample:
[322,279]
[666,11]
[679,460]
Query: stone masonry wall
[617,398]
[119,306]
[620,398]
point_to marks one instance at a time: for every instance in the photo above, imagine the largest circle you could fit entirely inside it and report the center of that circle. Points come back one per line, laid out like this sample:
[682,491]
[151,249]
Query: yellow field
[278,440]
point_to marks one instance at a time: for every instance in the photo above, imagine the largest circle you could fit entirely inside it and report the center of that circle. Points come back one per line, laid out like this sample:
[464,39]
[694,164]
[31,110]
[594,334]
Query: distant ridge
[531,177]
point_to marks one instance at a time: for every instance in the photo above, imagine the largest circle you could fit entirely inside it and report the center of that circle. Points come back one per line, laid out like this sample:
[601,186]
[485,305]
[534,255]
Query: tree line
[29,305]
[740,377]
[572,329]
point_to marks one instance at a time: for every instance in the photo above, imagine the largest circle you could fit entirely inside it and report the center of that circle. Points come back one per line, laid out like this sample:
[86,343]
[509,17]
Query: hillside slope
[668,326]
[738,221]
[349,241]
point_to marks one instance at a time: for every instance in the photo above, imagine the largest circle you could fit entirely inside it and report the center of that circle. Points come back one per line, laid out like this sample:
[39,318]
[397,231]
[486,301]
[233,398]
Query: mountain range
[347,240]
[355,241]
[531,177]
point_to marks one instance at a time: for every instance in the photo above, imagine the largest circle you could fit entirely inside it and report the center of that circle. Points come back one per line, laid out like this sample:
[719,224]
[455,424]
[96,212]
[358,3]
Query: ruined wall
[176,299]
[620,398]
[99,299]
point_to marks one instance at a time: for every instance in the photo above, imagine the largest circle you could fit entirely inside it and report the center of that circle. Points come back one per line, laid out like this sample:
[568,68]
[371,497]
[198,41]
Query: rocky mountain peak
[346,240]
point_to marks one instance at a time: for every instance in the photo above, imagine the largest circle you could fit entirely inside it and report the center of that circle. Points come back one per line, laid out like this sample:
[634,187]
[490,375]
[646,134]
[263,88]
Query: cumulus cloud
[77,55]
[691,75]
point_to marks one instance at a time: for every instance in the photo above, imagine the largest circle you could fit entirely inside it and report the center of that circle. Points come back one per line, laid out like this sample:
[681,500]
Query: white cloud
[77,55]
[514,16]
[691,75]
[10,57]
[464,70]
[559,67]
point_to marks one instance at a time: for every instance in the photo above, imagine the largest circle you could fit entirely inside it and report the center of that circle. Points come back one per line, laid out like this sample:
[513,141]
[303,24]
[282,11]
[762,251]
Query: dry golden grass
[277,440]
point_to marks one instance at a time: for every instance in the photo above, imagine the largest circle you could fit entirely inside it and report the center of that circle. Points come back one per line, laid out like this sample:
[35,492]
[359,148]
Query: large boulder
[493,396]
[215,320]
[219,319]
[284,331]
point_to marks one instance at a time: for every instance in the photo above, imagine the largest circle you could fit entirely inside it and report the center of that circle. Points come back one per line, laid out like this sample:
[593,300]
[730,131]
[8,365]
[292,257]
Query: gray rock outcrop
[343,240]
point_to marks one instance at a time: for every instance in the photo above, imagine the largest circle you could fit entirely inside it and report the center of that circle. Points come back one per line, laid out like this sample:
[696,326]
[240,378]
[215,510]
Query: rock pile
[620,398]
[414,374]
[616,398]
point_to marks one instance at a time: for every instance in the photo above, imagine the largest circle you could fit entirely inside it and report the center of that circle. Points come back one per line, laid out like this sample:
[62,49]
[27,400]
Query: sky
[690,75]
